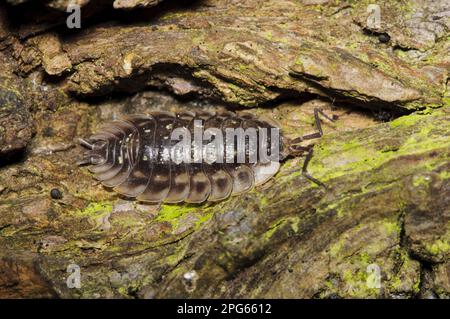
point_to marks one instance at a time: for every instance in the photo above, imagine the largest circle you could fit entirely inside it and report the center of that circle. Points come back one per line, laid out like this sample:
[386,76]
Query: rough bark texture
[388,195]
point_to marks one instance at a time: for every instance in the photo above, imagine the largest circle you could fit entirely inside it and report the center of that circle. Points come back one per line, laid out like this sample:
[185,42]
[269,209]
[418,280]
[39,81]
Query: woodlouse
[130,156]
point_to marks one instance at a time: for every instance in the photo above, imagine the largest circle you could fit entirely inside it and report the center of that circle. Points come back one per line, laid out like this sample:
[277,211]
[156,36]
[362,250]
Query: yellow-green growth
[440,246]
[95,209]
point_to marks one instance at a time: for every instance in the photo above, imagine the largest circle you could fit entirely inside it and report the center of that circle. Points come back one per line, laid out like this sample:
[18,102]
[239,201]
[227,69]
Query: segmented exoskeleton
[132,156]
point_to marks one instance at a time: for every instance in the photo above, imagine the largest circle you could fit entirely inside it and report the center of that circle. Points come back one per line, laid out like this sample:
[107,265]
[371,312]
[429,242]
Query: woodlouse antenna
[296,150]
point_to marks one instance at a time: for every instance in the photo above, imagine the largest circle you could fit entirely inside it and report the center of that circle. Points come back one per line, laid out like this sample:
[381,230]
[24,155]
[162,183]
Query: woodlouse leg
[333,107]
[86,159]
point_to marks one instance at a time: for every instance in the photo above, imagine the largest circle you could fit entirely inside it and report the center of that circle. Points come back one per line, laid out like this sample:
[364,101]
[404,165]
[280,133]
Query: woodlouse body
[129,155]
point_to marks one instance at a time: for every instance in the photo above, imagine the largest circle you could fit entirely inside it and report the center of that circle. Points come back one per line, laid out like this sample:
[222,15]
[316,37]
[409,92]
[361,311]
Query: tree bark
[385,162]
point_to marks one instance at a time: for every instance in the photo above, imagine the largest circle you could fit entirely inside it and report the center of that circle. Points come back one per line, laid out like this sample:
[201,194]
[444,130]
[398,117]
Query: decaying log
[387,199]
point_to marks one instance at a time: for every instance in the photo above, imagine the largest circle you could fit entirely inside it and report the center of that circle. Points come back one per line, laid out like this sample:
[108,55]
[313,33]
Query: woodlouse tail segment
[96,154]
